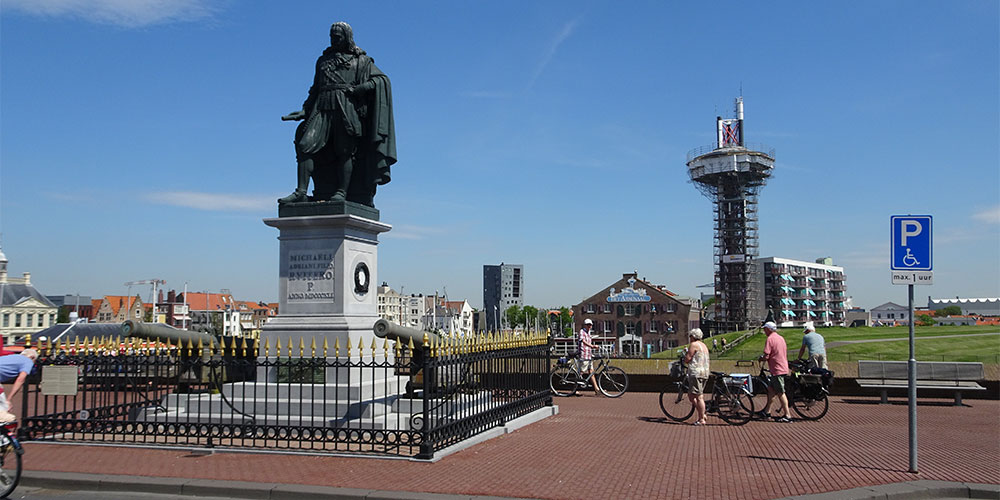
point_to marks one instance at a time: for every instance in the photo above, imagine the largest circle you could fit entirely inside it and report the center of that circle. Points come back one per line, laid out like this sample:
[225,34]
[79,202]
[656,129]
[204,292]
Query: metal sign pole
[912,372]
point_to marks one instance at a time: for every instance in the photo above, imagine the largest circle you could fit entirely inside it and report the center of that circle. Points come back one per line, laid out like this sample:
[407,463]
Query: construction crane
[152,296]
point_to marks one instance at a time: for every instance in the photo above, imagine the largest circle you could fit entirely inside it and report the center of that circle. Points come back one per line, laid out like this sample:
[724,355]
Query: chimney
[27,278]
[171,296]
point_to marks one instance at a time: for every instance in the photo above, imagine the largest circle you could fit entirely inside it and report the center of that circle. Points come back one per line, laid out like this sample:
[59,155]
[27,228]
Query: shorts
[777,384]
[585,365]
[818,360]
[4,404]
[696,385]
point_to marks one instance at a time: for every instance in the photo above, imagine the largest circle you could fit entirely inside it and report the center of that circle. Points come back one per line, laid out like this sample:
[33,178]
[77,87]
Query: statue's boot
[296,197]
[343,181]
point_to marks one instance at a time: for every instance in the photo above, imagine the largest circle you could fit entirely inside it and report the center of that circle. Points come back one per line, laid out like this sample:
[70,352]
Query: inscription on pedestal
[310,276]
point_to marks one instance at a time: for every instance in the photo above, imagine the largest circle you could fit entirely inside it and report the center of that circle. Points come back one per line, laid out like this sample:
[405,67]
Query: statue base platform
[311,208]
[327,280]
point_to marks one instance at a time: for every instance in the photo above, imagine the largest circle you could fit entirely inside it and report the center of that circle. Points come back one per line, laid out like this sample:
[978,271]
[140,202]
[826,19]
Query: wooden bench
[954,376]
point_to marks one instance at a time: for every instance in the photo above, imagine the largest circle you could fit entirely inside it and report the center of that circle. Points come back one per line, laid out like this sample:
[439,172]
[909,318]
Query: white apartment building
[799,292]
[391,305]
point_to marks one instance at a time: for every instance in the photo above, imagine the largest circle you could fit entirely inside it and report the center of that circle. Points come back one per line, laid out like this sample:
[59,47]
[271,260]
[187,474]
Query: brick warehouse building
[638,314]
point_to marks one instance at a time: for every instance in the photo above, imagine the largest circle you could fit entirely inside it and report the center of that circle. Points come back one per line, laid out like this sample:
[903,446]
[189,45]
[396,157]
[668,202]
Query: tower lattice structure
[731,174]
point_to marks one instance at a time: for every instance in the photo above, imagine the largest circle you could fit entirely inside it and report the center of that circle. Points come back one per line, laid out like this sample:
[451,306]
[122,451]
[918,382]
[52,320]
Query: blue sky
[141,138]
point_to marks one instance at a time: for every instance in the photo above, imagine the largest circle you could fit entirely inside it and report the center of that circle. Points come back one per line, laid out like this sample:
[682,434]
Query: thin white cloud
[219,202]
[989,216]
[873,257]
[124,13]
[410,232]
[550,52]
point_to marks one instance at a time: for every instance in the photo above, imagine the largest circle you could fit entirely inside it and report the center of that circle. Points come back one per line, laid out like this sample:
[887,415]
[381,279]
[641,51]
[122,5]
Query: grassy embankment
[981,348]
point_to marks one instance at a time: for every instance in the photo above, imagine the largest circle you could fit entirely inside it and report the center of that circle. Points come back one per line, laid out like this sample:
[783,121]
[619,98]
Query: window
[6,320]
[29,320]
[652,326]
[630,328]
[607,326]
[630,310]
[590,308]
[671,344]
[892,315]
[671,307]
[606,308]
[17,320]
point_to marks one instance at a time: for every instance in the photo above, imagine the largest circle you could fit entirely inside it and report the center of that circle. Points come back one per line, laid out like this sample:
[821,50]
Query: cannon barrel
[387,330]
[154,331]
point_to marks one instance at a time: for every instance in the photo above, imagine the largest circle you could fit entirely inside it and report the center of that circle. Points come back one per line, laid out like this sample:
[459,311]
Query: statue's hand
[294,116]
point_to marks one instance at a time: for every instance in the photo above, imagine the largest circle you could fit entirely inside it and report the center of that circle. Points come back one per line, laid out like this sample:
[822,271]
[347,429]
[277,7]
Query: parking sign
[912,243]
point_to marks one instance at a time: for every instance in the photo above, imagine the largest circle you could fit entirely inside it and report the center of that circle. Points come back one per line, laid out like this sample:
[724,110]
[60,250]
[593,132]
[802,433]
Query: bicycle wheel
[811,408]
[613,382]
[10,466]
[735,408]
[674,402]
[563,381]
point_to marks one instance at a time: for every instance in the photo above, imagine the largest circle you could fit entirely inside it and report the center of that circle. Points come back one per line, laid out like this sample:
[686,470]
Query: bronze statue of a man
[347,140]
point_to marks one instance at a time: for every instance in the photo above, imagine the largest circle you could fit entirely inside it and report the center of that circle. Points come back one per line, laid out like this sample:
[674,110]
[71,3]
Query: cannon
[386,330]
[166,333]
[412,365]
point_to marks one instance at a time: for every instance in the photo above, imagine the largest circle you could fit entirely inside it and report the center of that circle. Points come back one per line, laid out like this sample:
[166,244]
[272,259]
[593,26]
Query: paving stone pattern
[621,448]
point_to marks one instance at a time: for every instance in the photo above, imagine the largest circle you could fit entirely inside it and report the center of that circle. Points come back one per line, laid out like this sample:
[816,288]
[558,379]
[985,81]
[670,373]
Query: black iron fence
[388,399]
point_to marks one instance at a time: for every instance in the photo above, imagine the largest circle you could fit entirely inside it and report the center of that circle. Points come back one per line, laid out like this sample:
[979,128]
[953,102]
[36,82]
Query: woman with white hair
[697,363]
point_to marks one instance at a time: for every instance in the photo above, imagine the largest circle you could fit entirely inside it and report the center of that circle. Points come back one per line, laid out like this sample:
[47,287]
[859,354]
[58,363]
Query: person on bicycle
[698,371]
[14,368]
[816,345]
[585,352]
[776,354]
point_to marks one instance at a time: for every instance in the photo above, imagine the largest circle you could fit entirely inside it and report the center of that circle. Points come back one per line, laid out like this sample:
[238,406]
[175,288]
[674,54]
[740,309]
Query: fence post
[426,445]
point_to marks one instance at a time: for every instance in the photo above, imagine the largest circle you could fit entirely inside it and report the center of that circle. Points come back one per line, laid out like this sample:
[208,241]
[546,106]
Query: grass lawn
[985,349]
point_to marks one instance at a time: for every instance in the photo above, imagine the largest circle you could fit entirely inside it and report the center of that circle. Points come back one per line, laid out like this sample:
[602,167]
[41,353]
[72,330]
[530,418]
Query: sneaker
[762,415]
[782,419]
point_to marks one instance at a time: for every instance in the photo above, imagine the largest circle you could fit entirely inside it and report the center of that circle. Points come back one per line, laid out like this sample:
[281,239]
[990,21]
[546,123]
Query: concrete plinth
[327,275]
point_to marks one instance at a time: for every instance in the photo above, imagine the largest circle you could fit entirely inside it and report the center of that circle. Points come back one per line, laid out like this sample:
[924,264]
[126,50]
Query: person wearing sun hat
[815,344]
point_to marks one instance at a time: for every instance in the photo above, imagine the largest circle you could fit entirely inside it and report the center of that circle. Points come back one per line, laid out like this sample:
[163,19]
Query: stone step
[356,390]
[461,401]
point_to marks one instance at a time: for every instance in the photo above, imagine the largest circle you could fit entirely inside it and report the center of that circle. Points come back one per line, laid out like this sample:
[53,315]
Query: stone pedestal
[327,280]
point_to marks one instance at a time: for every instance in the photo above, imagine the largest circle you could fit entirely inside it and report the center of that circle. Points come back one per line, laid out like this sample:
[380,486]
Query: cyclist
[16,368]
[776,354]
[816,345]
[698,371]
[585,350]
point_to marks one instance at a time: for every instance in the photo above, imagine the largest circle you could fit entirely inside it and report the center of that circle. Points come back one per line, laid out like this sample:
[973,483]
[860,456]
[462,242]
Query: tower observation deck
[731,174]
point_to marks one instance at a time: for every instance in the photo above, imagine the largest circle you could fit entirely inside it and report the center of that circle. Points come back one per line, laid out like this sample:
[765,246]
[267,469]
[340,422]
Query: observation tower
[731,174]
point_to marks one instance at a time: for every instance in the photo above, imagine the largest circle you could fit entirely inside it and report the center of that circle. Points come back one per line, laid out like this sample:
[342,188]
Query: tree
[567,321]
[514,316]
[530,315]
[63,316]
[948,311]
[925,320]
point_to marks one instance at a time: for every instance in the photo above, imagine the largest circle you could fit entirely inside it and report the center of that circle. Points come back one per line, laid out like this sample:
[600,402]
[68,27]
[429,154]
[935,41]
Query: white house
[890,314]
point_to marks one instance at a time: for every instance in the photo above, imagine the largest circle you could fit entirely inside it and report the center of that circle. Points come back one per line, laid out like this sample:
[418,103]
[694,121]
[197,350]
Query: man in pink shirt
[776,354]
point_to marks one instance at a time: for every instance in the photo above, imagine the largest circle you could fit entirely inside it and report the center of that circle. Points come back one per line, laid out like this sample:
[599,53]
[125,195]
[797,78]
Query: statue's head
[341,37]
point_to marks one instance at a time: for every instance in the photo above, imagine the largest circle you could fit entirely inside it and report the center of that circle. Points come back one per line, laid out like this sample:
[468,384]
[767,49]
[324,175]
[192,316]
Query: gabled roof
[889,305]
[15,292]
[198,301]
[118,301]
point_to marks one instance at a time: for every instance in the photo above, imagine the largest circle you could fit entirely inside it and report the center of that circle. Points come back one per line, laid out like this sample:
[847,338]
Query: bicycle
[10,459]
[807,392]
[731,399]
[566,378]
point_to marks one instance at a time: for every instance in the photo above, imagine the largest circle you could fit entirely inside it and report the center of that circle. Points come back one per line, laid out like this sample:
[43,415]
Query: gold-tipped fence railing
[370,396]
